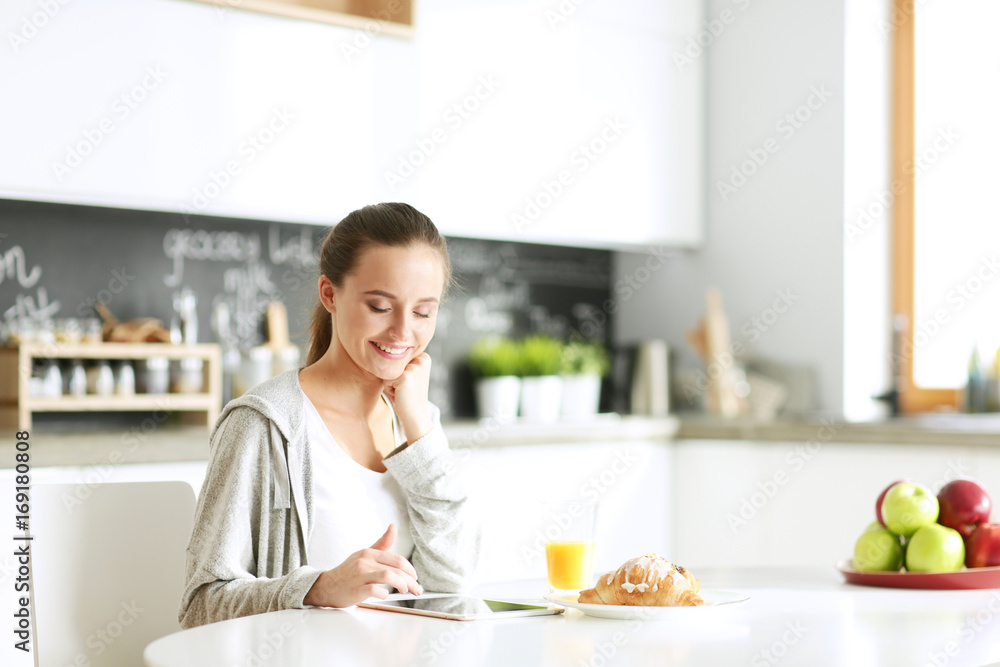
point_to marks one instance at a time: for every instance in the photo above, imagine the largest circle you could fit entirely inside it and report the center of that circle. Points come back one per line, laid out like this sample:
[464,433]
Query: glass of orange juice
[569,544]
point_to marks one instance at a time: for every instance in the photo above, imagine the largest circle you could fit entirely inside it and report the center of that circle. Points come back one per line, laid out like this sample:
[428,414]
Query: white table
[794,617]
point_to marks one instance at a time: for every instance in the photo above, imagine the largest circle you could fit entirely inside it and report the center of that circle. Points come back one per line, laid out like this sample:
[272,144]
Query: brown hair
[398,225]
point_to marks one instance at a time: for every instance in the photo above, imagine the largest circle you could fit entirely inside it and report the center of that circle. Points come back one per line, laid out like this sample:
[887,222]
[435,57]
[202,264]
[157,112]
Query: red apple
[964,505]
[982,547]
[881,497]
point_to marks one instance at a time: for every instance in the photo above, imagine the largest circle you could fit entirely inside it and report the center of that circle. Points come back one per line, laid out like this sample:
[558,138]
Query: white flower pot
[581,395]
[541,398]
[498,396]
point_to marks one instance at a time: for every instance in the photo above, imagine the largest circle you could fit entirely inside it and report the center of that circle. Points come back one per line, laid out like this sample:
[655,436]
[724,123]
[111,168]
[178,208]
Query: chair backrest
[107,569]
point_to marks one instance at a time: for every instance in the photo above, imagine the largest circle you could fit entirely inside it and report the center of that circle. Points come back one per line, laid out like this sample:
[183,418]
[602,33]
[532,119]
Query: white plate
[713,599]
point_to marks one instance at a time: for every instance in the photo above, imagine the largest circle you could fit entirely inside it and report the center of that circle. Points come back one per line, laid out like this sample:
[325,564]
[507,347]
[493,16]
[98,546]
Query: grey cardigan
[248,549]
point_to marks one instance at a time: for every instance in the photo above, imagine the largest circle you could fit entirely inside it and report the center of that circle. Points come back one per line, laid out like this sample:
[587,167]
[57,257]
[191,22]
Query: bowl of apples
[923,540]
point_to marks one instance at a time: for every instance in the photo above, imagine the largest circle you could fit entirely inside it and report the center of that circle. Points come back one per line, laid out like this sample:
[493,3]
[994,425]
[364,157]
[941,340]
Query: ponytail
[320,333]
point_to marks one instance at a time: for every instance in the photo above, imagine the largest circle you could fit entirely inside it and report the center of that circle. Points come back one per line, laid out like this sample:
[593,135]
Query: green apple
[935,548]
[878,550]
[909,506]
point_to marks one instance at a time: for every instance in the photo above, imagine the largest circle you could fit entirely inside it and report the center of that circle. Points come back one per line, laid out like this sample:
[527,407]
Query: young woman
[310,467]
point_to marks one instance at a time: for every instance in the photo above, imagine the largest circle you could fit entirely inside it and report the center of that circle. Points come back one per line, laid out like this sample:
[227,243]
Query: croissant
[648,581]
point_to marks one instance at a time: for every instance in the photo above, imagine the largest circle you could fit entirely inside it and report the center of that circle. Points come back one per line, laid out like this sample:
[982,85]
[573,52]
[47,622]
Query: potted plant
[541,387]
[583,365]
[495,362]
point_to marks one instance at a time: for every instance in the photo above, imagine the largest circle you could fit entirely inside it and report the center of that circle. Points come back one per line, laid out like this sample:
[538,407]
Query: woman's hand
[358,578]
[408,394]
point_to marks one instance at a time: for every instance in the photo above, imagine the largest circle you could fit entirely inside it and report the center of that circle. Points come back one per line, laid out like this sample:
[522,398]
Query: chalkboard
[59,260]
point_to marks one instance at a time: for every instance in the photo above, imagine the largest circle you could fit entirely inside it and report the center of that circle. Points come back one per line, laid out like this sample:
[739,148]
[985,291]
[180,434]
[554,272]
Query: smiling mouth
[389,351]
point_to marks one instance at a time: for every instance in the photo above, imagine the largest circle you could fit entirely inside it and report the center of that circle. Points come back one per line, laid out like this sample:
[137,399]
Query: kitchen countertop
[929,429]
[85,447]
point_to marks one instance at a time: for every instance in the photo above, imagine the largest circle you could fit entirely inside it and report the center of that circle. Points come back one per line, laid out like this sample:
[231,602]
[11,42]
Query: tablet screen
[460,606]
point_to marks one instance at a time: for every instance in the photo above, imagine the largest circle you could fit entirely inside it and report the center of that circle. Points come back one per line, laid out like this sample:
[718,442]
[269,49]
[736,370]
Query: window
[946,228]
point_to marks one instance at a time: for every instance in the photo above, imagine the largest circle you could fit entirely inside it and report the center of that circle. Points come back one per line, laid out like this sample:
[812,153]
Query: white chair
[107,569]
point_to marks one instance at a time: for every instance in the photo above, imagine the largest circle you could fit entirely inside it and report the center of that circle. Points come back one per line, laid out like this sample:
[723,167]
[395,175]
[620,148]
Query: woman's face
[386,310]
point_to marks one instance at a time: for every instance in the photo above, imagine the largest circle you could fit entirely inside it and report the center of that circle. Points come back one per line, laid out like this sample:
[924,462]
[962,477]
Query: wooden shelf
[114,350]
[376,17]
[17,406]
[93,403]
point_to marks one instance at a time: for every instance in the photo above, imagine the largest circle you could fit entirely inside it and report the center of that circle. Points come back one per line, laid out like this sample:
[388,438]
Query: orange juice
[570,564]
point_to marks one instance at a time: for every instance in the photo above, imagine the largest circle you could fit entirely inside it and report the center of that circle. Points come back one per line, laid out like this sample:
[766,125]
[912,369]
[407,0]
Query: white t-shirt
[352,505]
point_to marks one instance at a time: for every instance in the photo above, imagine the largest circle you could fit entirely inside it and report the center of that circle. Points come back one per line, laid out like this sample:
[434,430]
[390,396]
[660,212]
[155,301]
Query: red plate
[977,577]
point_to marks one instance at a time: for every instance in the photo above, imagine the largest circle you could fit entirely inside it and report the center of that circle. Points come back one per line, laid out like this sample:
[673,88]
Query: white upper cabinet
[559,121]
[549,122]
[186,107]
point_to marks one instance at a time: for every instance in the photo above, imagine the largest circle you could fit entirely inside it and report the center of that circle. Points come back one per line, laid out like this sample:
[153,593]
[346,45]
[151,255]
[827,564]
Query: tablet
[459,607]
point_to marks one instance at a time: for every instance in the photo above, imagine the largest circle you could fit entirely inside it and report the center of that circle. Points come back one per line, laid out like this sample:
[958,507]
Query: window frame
[911,397]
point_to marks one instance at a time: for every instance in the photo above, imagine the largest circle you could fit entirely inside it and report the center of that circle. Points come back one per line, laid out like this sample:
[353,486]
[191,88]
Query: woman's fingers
[395,578]
[395,561]
[374,591]
[388,537]
[364,575]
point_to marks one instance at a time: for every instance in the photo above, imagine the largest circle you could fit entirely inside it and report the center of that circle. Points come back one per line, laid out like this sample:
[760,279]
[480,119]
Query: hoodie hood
[280,400]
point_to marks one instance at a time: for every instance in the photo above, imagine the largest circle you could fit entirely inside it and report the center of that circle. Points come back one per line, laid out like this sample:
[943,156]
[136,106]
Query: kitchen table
[794,617]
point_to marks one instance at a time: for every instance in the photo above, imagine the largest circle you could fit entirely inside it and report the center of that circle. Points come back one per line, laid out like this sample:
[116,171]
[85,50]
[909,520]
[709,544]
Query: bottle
[185,320]
[975,389]
[100,379]
[77,385]
[154,375]
[125,380]
[993,385]
[53,380]
[187,377]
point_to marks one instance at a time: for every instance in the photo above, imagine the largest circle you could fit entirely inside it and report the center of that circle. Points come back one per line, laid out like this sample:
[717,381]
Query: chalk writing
[181,244]
[15,267]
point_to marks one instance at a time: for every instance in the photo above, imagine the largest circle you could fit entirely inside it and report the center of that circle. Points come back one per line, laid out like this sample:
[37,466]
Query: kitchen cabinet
[247,116]
[802,503]
[395,16]
[576,130]
[508,483]
[496,119]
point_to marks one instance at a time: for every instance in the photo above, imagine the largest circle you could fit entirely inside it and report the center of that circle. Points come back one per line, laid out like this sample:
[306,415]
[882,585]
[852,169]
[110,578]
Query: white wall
[867,119]
[783,229]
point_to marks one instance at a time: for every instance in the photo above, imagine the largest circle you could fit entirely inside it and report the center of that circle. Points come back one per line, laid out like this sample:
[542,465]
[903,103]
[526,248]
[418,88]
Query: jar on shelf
[36,383]
[125,379]
[255,367]
[22,330]
[46,379]
[46,331]
[91,330]
[76,378]
[68,330]
[188,376]
[101,379]
[154,375]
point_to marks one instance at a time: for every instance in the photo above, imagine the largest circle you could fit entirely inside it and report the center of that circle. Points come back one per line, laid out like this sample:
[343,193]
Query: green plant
[494,356]
[585,358]
[540,355]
